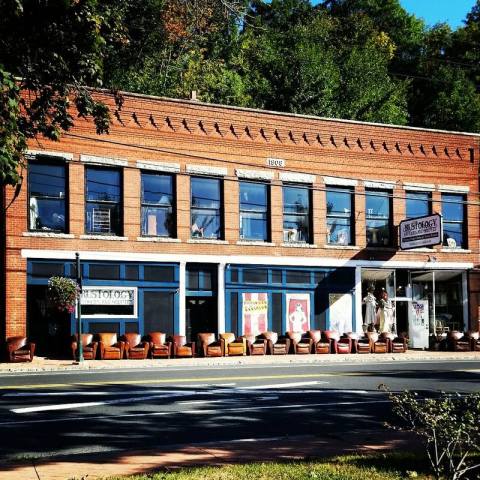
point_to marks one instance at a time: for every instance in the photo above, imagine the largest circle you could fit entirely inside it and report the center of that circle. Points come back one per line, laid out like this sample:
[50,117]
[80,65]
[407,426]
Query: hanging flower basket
[63,293]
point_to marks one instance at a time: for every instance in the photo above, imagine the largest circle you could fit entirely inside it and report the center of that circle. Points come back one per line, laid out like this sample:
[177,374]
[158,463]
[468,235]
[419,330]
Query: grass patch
[391,466]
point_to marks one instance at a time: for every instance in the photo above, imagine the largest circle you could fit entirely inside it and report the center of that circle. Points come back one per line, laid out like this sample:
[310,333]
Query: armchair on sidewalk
[209,346]
[320,344]
[135,347]
[182,348]
[256,345]
[159,347]
[232,345]
[353,337]
[338,344]
[301,344]
[88,345]
[276,345]
[458,341]
[475,340]
[19,349]
[110,347]
[394,344]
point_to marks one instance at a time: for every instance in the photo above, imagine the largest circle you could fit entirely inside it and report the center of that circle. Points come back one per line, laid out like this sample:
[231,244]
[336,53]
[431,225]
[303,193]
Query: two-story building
[191,217]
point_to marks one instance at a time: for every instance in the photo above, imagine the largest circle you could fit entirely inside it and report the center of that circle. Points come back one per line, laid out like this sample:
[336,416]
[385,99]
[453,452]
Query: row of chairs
[463,341]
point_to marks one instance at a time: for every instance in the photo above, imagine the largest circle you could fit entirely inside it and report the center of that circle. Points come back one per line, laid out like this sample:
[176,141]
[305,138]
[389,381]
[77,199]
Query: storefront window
[296,214]
[417,204]
[453,217]
[157,205]
[206,208]
[378,215]
[339,216]
[253,211]
[46,187]
[104,197]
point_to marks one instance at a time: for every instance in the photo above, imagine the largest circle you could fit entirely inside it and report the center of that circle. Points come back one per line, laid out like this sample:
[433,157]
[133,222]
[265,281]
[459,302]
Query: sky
[452,12]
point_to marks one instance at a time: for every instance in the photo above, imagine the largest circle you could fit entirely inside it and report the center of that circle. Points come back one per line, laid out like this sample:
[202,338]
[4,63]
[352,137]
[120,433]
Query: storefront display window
[296,214]
[453,217]
[418,204]
[46,187]
[157,205]
[378,217]
[339,216]
[103,201]
[253,211]
[206,208]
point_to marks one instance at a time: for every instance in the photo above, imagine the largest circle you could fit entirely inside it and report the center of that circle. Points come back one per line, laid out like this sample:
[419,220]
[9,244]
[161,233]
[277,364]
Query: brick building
[193,217]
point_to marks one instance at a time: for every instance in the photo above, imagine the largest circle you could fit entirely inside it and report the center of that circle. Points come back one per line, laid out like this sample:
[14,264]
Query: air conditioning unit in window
[101,221]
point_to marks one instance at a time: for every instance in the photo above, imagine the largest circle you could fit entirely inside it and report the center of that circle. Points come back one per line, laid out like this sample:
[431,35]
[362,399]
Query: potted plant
[63,293]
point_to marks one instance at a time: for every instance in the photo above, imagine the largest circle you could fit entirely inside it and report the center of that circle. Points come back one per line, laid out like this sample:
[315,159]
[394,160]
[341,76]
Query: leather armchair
[300,343]
[256,345]
[320,344]
[474,340]
[135,347]
[378,344]
[232,345]
[458,341]
[394,344]
[353,337]
[89,347]
[110,347]
[276,345]
[210,346]
[159,346]
[338,344]
[182,348]
[19,349]
[365,343]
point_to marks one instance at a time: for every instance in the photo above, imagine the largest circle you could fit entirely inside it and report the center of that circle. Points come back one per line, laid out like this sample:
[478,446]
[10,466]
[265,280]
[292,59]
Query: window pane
[418,204]
[378,232]
[47,269]
[104,272]
[298,276]
[157,221]
[131,272]
[46,180]
[255,276]
[295,200]
[296,228]
[157,189]
[103,218]
[253,226]
[253,197]
[103,185]
[47,214]
[339,203]
[452,207]
[154,273]
[378,205]
[205,193]
[453,234]
[205,224]
[338,231]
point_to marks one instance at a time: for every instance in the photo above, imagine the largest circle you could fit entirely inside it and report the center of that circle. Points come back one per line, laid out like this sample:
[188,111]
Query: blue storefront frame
[142,285]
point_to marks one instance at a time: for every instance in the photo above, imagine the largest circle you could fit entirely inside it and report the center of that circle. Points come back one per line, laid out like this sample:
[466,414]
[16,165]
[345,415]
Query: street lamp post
[79,306]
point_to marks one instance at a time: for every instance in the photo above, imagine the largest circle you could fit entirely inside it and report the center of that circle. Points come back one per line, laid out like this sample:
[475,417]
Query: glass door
[421,318]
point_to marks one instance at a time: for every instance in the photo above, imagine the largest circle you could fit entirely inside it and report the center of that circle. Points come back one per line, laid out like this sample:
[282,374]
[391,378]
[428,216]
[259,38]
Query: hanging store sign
[298,312]
[254,313]
[421,232]
[102,302]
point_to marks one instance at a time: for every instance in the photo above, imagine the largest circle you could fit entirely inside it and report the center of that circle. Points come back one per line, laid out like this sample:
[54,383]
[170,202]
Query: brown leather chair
[19,349]
[474,340]
[89,347]
[182,348]
[365,343]
[209,346]
[110,347]
[232,345]
[394,344]
[159,346]
[320,345]
[256,345]
[276,345]
[135,347]
[338,344]
[300,343]
[379,344]
[353,337]
[458,341]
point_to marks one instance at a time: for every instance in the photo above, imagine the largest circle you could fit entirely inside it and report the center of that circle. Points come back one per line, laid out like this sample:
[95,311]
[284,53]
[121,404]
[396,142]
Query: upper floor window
[418,204]
[378,204]
[103,201]
[453,213]
[157,205]
[47,192]
[206,208]
[339,216]
[254,211]
[296,214]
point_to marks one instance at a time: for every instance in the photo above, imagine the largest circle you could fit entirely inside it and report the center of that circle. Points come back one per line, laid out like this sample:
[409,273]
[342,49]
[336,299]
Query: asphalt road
[56,414]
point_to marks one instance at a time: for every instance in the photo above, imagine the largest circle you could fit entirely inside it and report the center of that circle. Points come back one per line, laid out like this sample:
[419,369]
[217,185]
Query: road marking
[279,385]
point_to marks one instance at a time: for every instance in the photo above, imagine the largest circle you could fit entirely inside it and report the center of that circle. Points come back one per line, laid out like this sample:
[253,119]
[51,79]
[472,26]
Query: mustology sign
[421,232]
[101,302]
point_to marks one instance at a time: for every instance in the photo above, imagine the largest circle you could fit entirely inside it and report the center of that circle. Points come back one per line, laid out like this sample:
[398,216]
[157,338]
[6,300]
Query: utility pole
[79,307]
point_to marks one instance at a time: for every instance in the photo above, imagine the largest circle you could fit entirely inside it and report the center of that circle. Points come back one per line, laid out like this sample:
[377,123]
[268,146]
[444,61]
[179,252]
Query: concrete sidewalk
[97,466]
[41,364]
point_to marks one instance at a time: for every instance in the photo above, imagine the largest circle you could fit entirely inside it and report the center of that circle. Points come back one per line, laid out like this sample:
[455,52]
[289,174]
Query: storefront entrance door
[201,316]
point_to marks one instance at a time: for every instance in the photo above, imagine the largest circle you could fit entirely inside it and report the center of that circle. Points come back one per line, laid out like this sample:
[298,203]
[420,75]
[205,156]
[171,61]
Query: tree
[49,53]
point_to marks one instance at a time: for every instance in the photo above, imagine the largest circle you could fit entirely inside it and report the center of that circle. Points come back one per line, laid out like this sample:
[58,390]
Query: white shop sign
[104,297]
[421,232]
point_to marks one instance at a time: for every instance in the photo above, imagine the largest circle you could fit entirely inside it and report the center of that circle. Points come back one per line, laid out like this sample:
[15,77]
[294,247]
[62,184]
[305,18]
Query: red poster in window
[298,312]
[254,313]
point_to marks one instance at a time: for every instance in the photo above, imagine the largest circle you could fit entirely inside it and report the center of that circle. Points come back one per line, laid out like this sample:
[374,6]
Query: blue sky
[435,11]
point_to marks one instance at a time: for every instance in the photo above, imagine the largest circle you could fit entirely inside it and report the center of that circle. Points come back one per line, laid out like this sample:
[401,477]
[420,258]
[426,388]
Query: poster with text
[418,324]
[340,312]
[298,312]
[254,313]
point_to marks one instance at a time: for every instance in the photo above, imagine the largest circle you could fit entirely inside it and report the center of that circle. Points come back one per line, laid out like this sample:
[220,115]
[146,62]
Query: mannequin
[386,314]
[371,308]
